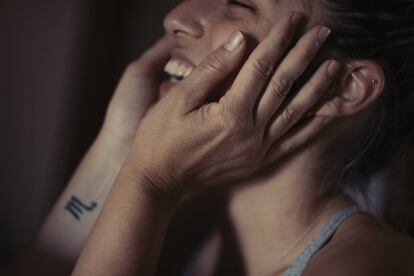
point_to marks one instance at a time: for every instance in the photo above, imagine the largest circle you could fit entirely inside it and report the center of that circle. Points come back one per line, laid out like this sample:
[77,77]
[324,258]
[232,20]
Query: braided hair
[381,31]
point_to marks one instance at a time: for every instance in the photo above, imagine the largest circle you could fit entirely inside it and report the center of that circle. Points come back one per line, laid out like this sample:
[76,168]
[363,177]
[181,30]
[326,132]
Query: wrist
[150,183]
[113,143]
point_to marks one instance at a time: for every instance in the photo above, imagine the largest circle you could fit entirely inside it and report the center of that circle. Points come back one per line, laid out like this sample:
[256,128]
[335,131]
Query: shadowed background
[60,61]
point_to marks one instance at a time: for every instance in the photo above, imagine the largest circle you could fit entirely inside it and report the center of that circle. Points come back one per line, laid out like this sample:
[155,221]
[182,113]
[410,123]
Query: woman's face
[201,26]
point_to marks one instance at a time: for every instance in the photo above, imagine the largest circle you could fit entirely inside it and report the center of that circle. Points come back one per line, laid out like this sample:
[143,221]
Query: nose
[184,21]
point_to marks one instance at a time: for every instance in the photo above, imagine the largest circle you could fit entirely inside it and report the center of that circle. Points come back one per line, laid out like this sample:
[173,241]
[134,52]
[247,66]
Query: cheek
[254,33]
[220,33]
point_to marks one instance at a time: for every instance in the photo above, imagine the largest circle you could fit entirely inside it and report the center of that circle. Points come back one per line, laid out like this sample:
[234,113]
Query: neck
[272,209]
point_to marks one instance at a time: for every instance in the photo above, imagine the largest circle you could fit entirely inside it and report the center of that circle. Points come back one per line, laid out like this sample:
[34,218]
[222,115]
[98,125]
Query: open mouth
[178,69]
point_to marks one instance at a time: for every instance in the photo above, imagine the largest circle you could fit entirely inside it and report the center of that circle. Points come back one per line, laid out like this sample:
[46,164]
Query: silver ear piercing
[374,81]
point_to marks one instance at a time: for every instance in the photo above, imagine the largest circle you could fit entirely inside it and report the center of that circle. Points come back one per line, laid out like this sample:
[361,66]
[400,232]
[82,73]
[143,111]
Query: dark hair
[381,31]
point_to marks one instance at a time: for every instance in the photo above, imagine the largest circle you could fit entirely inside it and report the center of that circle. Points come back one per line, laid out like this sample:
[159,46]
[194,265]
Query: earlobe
[361,85]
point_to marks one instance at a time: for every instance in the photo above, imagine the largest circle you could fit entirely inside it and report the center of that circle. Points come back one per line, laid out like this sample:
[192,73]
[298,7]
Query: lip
[180,56]
[167,85]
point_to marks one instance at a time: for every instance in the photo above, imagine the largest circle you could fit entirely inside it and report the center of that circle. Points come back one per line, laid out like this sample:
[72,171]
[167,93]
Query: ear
[362,82]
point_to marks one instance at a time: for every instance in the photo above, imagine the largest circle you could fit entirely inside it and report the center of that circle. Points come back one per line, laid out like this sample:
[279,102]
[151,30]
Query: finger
[152,62]
[255,73]
[307,97]
[294,141]
[292,67]
[196,88]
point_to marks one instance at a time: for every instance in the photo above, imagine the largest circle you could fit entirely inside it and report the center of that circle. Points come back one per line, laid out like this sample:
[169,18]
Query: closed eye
[240,4]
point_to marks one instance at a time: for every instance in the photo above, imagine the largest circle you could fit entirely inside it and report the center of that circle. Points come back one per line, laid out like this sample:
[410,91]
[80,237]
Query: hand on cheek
[185,142]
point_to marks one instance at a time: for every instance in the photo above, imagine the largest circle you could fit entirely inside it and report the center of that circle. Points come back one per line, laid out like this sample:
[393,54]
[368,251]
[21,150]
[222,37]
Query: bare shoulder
[365,246]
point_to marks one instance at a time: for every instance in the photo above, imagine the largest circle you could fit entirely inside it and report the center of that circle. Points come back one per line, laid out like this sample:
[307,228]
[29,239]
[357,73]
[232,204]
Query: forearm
[129,233]
[73,216]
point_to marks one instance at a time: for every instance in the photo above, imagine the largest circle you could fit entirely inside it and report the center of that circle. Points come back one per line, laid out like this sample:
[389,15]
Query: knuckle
[234,117]
[228,120]
[215,62]
[209,111]
[333,107]
[282,41]
[263,67]
[308,55]
[317,86]
[236,127]
[281,86]
[290,116]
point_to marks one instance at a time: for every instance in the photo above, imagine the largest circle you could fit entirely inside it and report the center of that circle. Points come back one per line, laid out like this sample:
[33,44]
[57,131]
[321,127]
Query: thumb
[196,88]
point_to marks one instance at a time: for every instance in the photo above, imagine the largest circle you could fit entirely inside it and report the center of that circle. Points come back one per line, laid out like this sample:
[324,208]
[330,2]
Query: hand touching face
[186,142]
[201,26]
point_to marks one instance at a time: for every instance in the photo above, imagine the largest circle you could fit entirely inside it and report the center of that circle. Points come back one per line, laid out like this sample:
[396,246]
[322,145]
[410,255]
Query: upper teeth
[178,69]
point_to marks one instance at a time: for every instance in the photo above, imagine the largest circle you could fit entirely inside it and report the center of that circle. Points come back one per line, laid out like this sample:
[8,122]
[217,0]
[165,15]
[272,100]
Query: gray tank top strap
[300,263]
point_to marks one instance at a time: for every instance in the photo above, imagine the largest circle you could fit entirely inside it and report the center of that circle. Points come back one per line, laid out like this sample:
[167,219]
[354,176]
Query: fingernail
[334,68]
[234,42]
[295,19]
[324,34]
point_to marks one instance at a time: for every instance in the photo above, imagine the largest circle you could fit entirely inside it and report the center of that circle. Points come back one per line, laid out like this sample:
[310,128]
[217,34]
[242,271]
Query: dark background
[60,61]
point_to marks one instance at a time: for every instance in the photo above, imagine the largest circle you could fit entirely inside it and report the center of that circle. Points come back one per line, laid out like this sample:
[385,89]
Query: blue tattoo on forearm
[76,207]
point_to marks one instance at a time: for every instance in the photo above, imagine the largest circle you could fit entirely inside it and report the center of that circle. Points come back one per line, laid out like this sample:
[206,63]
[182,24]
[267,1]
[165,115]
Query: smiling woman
[259,172]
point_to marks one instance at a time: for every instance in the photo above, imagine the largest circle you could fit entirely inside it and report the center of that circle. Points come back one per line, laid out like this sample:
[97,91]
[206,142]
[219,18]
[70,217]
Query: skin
[61,238]
[287,190]
[141,205]
[187,124]
[295,183]
[195,131]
